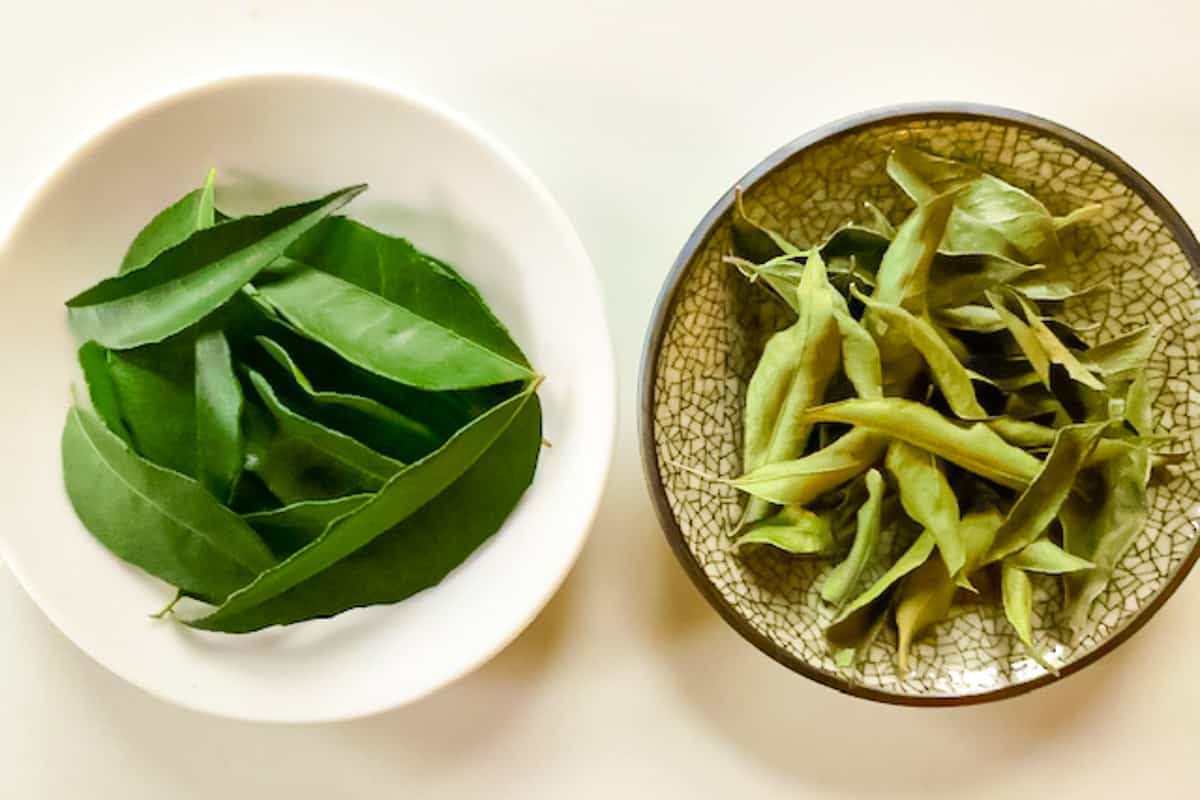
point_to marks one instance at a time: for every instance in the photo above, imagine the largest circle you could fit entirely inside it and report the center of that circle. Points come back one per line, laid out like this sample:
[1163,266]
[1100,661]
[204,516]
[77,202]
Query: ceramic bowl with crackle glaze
[710,326]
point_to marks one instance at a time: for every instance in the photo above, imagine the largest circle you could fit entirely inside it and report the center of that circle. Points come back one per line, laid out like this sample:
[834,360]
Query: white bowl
[436,179]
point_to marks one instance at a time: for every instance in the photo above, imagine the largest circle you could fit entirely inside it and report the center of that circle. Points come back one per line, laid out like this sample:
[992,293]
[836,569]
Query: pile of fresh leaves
[932,388]
[293,414]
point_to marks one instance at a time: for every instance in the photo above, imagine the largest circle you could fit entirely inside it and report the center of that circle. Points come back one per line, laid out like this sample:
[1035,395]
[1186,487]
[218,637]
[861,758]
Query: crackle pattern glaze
[715,329]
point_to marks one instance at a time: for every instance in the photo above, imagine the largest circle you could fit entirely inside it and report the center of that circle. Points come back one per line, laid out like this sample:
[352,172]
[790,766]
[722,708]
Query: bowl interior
[434,179]
[713,325]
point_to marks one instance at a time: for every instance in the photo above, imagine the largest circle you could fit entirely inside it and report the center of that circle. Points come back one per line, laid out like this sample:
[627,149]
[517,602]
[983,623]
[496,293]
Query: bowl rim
[665,304]
[150,103]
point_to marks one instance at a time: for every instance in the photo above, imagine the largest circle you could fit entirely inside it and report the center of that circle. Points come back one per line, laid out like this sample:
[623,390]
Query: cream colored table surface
[637,115]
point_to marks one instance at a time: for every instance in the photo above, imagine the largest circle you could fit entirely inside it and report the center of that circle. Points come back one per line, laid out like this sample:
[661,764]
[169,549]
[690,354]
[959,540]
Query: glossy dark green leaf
[843,579]
[154,518]
[250,494]
[421,550]
[171,226]
[371,422]
[394,269]
[185,283]
[404,494]
[219,449]
[93,360]
[156,392]
[285,530]
[327,372]
[383,337]
[304,460]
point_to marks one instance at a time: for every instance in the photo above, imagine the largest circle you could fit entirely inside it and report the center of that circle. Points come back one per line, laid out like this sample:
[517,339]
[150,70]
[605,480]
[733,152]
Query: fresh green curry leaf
[93,360]
[285,530]
[397,271]
[301,449]
[186,282]
[383,337]
[154,518]
[420,550]
[371,422]
[192,212]
[219,448]
[400,497]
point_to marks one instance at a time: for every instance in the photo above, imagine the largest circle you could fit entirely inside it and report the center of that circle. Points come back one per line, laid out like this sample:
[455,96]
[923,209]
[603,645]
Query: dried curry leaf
[843,579]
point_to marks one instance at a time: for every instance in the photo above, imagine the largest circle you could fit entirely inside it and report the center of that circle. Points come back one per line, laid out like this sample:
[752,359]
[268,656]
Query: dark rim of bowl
[665,304]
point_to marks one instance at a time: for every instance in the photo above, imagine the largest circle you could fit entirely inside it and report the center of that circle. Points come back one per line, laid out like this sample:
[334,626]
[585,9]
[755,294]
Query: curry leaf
[1039,504]
[419,551]
[1017,592]
[1127,352]
[383,337]
[397,271]
[102,390]
[912,558]
[802,480]
[342,463]
[1102,529]
[843,579]
[192,212]
[974,448]
[184,283]
[1056,351]
[792,529]
[923,600]
[371,422]
[400,497]
[285,530]
[928,499]
[947,371]
[155,387]
[981,319]
[1047,557]
[157,519]
[218,416]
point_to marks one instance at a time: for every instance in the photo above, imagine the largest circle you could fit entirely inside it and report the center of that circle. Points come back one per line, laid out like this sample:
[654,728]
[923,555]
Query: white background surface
[637,116]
